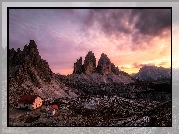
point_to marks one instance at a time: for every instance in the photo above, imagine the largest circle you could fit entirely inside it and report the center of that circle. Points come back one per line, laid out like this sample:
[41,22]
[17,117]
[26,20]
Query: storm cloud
[142,25]
[145,21]
[64,35]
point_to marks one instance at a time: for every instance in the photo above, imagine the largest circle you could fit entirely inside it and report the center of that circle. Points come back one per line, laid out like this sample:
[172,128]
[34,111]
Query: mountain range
[153,73]
[81,93]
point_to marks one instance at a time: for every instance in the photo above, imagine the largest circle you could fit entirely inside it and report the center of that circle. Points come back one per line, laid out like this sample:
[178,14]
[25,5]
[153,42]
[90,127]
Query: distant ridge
[152,73]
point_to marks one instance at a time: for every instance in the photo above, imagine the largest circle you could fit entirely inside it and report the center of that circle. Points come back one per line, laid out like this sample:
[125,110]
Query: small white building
[30,102]
[50,110]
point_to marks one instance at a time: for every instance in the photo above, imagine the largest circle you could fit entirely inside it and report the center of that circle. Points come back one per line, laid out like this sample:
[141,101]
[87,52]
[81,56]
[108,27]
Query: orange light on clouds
[130,38]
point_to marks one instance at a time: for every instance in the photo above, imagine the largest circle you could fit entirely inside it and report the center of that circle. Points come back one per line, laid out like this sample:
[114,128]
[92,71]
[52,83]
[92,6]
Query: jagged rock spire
[114,69]
[104,65]
[89,63]
[27,60]
[78,66]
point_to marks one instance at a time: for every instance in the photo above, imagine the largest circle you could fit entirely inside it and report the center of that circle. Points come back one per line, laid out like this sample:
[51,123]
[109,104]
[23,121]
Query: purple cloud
[64,35]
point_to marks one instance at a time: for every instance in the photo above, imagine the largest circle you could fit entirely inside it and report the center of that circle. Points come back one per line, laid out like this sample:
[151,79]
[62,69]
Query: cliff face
[78,66]
[89,63]
[30,74]
[104,65]
[27,64]
[114,69]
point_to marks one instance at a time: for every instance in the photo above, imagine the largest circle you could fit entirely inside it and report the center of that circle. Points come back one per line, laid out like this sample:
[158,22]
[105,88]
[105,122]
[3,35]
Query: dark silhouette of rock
[152,73]
[30,74]
[114,69]
[27,65]
[89,63]
[78,66]
[104,65]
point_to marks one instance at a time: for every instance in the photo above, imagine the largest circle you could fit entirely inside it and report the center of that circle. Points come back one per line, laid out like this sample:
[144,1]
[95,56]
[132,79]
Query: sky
[131,38]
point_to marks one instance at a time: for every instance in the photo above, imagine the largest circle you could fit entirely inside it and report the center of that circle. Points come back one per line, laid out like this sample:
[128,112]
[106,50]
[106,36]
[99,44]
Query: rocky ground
[120,85]
[97,111]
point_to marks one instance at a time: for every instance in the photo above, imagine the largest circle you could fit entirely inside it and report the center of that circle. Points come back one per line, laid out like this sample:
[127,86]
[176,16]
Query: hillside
[30,74]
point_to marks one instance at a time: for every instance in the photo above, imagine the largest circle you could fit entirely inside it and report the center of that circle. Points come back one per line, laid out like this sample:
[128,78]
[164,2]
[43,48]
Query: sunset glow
[131,38]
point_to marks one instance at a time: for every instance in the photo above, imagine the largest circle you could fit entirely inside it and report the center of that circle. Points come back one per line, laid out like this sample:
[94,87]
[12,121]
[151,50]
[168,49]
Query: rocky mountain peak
[31,48]
[114,69]
[78,66]
[32,44]
[104,59]
[27,64]
[104,65]
[153,73]
[89,63]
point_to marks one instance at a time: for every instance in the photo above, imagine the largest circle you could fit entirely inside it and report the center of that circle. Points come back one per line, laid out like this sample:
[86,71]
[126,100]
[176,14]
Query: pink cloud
[62,36]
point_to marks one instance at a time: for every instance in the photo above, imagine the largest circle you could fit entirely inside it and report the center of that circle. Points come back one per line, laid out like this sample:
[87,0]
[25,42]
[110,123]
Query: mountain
[104,65]
[104,73]
[102,79]
[89,65]
[30,74]
[153,73]
[93,95]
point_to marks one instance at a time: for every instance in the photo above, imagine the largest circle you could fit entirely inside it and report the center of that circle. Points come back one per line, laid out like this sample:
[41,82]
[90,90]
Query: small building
[54,106]
[30,102]
[50,110]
